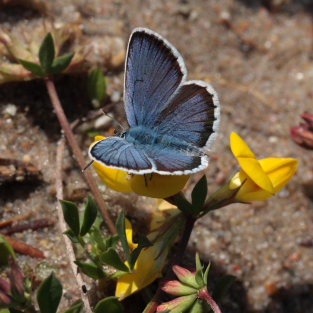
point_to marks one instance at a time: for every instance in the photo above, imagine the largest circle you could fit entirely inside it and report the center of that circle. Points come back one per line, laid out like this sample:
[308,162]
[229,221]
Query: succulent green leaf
[47,53]
[90,215]
[69,233]
[91,270]
[71,216]
[34,68]
[199,266]
[206,273]
[6,251]
[199,194]
[49,294]
[61,63]
[109,305]
[197,307]
[222,286]
[96,85]
[121,231]
[112,258]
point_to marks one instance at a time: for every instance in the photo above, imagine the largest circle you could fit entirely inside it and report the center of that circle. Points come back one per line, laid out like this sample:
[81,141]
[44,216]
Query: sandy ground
[259,59]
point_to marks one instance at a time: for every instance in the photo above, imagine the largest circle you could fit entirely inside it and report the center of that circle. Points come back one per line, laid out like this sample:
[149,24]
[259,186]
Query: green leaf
[61,63]
[32,67]
[71,216]
[49,294]
[5,311]
[91,270]
[112,258]
[69,233]
[90,215]
[96,85]
[6,251]
[75,308]
[199,194]
[197,307]
[111,242]
[222,286]
[206,274]
[120,227]
[109,305]
[47,53]
[143,242]
[199,266]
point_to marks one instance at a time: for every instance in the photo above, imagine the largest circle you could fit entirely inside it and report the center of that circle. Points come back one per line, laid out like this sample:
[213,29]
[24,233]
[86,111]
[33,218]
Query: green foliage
[47,53]
[71,216]
[199,194]
[121,230]
[111,257]
[61,63]
[96,85]
[49,294]
[6,251]
[91,270]
[90,215]
[109,305]
[48,63]
[143,242]
[32,67]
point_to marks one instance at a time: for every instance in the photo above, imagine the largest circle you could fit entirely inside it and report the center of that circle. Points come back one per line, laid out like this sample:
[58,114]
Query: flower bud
[185,276]
[176,288]
[177,305]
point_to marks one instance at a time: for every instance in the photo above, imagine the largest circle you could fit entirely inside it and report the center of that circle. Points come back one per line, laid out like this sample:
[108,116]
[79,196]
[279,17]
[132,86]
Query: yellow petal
[115,179]
[279,170]
[254,170]
[158,186]
[239,147]
[129,235]
[148,268]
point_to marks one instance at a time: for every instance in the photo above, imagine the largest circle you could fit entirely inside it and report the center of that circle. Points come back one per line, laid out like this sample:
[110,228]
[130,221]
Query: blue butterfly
[173,122]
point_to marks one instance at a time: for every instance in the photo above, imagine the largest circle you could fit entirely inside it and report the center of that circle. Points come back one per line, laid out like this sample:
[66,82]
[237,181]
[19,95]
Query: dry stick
[63,227]
[78,154]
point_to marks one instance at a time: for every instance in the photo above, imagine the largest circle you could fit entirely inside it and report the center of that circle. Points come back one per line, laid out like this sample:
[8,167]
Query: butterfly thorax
[141,136]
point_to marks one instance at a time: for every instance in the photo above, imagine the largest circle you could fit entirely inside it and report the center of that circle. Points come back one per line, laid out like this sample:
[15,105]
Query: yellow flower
[151,260]
[258,179]
[149,185]
[148,268]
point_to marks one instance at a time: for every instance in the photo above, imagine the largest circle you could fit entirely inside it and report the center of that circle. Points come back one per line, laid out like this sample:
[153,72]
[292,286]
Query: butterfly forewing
[154,70]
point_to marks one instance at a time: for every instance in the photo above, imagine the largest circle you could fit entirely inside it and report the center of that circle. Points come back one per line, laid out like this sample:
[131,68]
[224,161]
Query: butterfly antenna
[83,170]
[112,117]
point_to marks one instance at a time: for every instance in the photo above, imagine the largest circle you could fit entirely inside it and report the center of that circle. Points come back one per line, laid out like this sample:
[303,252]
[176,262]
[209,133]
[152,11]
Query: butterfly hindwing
[153,72]
[192,114]
[116,152]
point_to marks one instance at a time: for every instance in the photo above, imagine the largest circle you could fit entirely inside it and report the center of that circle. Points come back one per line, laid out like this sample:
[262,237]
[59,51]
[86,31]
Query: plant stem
[78,153]
[204,294]
[63,227]
[176,258]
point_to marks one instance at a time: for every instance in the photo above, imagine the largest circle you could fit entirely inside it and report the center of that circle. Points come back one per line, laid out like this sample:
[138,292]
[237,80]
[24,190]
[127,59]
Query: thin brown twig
[24,248]
[14,219]
[78,154]
[63,227]
[33,225]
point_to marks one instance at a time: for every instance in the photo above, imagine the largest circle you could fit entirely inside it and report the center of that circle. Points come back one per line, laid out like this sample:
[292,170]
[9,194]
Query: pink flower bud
[185,276]
[181,304]
[176,288]
[16,278]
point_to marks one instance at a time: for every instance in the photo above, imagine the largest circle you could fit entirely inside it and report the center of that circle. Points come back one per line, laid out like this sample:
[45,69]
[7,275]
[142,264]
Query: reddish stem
[205,295]
[78,154]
